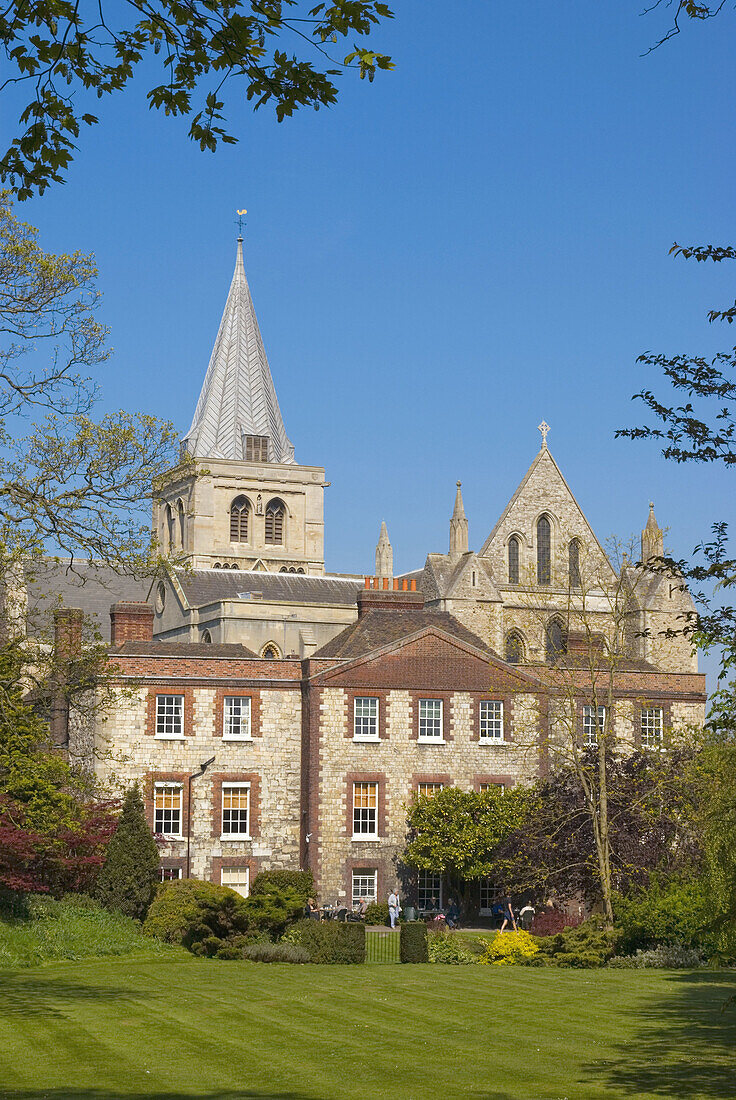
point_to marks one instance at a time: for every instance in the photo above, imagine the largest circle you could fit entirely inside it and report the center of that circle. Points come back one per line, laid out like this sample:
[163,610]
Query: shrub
[444,948]
[301,882]
[196,914]
[508,948]
[551,920]
[377,913]
[413,942]
[127,880]
[329,941]
[276,952]
[273,910]
[591,944]
[667,956]
[666,912]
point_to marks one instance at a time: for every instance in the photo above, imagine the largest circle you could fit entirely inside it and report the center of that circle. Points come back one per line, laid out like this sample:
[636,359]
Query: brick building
[279,715]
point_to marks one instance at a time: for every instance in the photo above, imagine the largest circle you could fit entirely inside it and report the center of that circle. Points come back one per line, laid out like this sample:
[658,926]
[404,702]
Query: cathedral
[280,715]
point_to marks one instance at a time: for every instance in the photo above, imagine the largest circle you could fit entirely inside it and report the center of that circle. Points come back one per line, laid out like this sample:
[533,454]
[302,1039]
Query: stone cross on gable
[543,428]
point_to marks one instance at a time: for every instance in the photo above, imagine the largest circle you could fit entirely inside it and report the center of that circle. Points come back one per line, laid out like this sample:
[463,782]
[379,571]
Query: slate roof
[183,649]
[379,628]
[91,585]
[238,396]
[203,586]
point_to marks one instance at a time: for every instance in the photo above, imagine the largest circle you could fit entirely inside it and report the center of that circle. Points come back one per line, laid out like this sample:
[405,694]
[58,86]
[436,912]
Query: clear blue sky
[472,243]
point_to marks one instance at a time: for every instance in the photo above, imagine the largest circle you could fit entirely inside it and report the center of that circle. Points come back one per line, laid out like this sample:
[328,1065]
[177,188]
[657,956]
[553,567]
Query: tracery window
[275,512]
[544,551]
[555,641]
[514,648]
[239,517]
[513,560]
[574,561]
[180,525]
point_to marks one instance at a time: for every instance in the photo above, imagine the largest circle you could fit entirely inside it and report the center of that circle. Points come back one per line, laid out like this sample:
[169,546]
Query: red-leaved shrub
[550,921]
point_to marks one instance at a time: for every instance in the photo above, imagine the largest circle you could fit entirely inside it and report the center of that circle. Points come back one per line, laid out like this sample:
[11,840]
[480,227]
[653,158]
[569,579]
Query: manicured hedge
[330,941]
[377,913]
[413,942]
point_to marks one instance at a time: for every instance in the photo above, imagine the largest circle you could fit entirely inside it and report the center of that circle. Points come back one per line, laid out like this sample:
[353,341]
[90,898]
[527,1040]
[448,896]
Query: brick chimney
[378,595]
[131,621]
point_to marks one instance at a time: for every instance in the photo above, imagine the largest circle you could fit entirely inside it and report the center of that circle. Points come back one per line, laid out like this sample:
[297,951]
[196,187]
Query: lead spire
[238,408]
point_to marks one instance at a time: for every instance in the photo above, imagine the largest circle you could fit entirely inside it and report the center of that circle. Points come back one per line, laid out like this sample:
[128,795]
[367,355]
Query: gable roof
[377,629]
[238,397]
[443,572]
[544,455]
[182,649]
[77,582]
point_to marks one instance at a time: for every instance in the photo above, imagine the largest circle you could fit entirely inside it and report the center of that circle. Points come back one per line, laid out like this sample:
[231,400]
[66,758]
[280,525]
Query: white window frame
[655,716]
[489,894]
[593,725]
[245,786]
[243,719]
[495,723]
[422,788]
[361,719]
[243,872]
[161,786]
[492,786]
[364,884]
[174,874]
[169,714]
[430,738]
[435,889]
[365,834]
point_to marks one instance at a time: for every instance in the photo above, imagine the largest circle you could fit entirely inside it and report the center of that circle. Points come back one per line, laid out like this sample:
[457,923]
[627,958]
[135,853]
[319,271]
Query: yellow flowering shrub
[508,948]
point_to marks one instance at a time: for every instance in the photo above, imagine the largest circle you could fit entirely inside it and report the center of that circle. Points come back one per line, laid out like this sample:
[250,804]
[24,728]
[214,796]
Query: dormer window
[256,448]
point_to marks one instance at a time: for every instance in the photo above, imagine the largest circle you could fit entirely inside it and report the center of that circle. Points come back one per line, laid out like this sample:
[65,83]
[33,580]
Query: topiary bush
[413,942]
[301,882]
[127,880]
[443,947]
[508,948]
[667,956]
[377,913]
[591,944]
[675,911]
[329,941]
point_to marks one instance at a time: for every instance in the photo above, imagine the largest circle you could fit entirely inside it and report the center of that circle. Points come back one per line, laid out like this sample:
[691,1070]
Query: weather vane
[543,428]
[240,214]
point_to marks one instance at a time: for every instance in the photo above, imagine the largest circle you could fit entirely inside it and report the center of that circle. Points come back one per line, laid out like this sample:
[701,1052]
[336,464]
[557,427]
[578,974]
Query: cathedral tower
[241,501]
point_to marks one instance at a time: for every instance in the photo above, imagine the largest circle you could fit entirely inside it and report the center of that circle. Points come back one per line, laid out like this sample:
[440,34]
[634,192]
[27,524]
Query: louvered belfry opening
[256,448]
[275,513]
[239,517]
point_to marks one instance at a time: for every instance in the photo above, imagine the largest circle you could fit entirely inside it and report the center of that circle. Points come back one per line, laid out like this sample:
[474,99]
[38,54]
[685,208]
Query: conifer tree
[127,880]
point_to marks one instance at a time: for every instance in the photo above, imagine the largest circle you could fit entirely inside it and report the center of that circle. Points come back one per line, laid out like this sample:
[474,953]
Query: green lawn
[180,1027]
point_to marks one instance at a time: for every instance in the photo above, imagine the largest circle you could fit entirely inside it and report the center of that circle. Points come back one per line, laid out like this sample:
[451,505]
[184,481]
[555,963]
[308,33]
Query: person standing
[508,914]
[394,908]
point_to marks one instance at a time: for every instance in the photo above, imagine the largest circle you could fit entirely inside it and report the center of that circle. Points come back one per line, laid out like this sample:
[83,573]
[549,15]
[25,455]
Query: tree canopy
[67,53]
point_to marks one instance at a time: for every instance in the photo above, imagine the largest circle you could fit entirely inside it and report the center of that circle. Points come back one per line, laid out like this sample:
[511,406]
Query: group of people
[502,911]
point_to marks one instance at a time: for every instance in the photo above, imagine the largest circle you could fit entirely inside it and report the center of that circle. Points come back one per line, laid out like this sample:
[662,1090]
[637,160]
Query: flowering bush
[508,948]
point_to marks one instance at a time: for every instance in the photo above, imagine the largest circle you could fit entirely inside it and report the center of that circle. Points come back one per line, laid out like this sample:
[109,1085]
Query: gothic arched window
[275,513]
[180,525]
[574,557]
[513,560]
[206,637]
[169,529]
[271,652]
[555,640]
[514,648]
[239,516]
[544,551]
